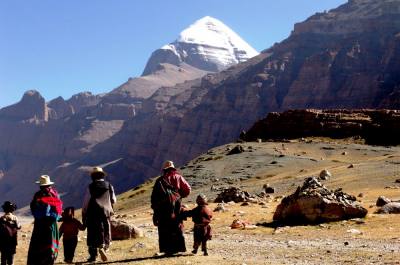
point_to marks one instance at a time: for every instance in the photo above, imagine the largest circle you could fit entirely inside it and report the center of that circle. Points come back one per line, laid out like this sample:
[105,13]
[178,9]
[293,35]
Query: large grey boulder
[391,207]
[314,203]
[121,230]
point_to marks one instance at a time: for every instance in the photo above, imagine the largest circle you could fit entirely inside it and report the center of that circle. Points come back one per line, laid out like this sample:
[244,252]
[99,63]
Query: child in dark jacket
[70,229]
[201,216]
[9,226]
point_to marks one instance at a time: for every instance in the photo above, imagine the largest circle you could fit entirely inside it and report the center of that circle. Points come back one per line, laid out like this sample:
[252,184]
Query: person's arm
[86,200]
[154,202]
[184,187]
[61,230]
[80,225]
[112,195]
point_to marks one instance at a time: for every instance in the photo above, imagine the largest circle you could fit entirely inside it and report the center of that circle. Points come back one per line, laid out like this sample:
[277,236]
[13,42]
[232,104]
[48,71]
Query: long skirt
[43,248]
[98,231]
[170,236]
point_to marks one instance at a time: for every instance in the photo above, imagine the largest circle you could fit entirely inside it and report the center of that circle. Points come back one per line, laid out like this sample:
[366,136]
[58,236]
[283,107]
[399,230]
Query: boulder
[236,150]
[325,175]
[391,207]
[314,203]
[121,230]
[268,189]
[382,200]
[232,194]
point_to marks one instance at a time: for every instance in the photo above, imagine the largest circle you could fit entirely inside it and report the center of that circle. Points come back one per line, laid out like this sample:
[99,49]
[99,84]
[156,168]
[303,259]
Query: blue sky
[62,47]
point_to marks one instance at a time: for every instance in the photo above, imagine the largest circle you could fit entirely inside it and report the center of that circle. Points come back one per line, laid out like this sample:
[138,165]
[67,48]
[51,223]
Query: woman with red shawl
[166,197]
[46,208]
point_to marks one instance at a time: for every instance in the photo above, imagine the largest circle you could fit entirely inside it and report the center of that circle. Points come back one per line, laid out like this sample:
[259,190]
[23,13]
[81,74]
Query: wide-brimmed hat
[98,171]
[44,180]
[168,164]
[9,206]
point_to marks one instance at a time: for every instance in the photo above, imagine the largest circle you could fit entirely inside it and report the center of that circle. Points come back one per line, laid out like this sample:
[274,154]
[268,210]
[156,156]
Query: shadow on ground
[134,259]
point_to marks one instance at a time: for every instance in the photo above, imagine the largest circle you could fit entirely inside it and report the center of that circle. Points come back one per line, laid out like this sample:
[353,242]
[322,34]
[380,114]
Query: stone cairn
[233,194]
[314,203]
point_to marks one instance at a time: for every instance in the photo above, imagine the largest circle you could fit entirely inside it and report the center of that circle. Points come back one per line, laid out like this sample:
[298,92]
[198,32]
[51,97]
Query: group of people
[47,210]
[97,209]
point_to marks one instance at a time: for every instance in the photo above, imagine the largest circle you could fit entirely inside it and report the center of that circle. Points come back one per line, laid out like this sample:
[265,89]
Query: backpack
[171,202]
[8,230]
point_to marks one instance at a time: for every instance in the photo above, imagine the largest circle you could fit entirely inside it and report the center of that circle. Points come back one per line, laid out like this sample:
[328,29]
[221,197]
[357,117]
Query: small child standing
[70,229]
[201,216]
[9,230]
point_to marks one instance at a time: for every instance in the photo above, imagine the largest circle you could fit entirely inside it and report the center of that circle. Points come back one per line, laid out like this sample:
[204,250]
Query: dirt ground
[361,170]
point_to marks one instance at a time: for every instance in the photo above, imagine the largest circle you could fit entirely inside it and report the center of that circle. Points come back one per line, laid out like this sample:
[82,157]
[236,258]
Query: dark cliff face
[346,58]
[378,127]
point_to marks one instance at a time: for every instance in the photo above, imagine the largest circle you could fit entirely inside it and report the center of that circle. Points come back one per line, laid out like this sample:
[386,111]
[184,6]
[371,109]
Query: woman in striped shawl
[46,208]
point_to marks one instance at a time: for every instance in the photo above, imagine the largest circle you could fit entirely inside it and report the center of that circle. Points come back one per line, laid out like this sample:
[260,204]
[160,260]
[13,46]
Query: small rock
[236,150]
[220,208]
[351,166]
[397,181]
[344,154]
[325,174]
[382,200]
[354,231]
[361,195]
[245,204]
[346,243]
[268,189]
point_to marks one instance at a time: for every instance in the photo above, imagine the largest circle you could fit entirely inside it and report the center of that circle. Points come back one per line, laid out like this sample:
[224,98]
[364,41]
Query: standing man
[168,191]
[96,212]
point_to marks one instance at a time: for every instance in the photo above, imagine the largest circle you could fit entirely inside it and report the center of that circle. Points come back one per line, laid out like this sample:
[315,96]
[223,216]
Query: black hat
[9,206]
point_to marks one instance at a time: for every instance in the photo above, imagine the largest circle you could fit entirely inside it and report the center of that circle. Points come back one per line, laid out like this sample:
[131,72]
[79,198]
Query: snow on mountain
[208,44]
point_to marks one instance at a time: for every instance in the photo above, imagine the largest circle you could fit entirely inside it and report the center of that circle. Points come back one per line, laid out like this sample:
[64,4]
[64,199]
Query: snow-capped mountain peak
[207,44]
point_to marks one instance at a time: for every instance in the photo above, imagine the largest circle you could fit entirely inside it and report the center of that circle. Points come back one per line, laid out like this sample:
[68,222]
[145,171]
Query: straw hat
[98,170]
[44,180]
[168,164]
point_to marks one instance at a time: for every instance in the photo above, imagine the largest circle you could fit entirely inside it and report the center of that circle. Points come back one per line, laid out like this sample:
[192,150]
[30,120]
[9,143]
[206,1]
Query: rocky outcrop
[375,126]
[60,108]
[31,107]
[314,203]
